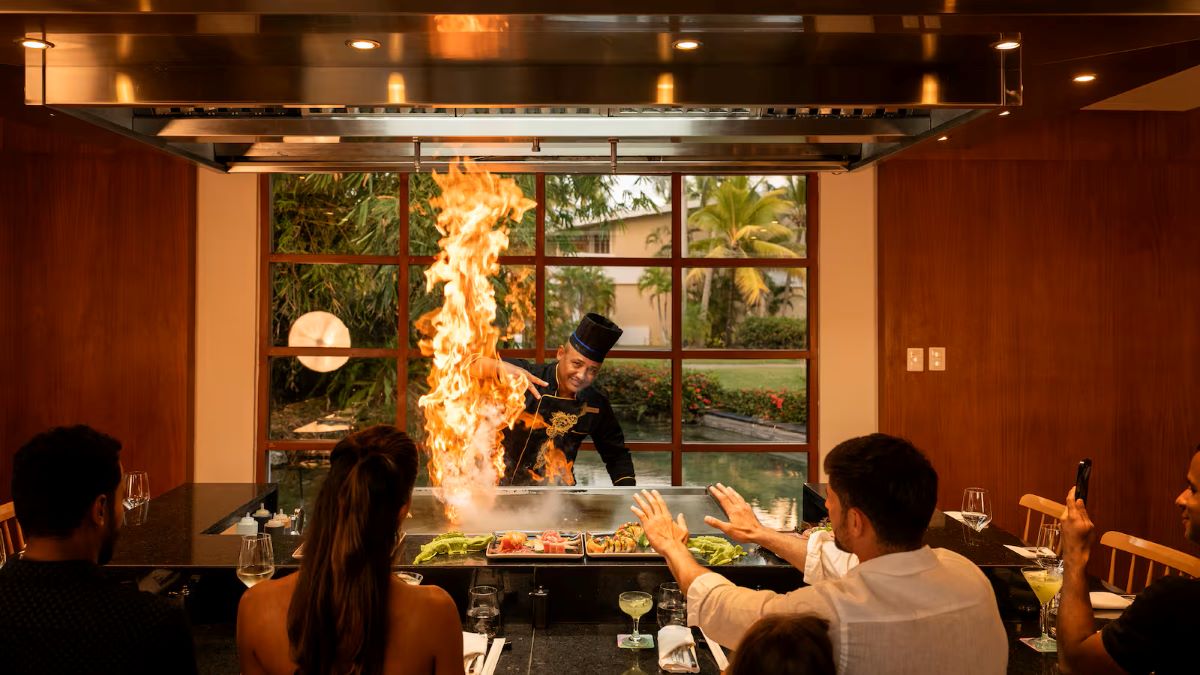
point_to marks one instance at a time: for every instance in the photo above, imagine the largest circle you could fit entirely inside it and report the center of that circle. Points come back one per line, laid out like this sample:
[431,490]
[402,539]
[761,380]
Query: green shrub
[780,405]
[772,332]
[646,390]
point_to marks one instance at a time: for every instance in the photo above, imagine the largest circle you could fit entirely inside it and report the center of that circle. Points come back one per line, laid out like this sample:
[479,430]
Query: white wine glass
[256,561]
[1049,544]
[635,604]
[977,508]
[1045,583]
[137,489]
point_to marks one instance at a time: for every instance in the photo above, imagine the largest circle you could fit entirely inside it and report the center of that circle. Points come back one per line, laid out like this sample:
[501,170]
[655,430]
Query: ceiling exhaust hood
[264,90]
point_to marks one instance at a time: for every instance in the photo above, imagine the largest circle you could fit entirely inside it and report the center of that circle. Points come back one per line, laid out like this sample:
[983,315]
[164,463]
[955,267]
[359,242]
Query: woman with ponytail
[345,612]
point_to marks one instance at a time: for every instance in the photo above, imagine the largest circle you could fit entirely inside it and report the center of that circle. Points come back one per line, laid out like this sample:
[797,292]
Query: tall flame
[465,416]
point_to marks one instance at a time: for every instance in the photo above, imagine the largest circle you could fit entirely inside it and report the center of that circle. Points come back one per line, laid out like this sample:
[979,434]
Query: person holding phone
[1156,633]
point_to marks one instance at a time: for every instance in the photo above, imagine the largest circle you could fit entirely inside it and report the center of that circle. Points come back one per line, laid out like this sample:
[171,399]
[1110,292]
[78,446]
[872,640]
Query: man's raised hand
[743,525]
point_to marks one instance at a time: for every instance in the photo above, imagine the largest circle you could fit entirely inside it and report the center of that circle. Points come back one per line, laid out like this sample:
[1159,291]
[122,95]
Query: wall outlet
[916,359]
[937,358]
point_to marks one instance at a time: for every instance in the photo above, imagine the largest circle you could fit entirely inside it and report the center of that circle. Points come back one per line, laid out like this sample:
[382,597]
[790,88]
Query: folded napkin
[1027,551]
[1106,600]
[474,646]
[677,650]
[957,515]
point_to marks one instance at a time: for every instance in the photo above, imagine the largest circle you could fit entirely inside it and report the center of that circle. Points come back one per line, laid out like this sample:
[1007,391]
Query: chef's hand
[531,382]
[743,525]
[662,531]
[1078,533]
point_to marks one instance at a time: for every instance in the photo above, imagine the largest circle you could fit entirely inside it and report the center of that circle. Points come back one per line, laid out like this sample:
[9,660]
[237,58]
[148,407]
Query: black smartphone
[1083,473]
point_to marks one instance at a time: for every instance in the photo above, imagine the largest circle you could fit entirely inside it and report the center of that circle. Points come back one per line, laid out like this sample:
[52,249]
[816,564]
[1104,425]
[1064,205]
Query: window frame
[676,354]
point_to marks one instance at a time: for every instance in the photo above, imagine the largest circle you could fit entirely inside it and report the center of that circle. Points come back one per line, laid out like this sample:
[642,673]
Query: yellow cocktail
[1045,584]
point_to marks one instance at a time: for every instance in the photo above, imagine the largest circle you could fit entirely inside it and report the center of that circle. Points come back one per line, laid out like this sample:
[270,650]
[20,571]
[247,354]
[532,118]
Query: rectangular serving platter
[493,549]
[632,555]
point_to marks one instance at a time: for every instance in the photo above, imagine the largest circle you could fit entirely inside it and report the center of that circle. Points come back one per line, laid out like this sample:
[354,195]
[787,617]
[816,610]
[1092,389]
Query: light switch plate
[916,359]
[937,358]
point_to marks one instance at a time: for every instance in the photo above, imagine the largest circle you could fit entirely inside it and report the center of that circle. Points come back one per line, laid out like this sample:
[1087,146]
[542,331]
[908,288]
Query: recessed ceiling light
[1085,77]
[1005,113]
[35,43]
[1006,45]
[686,45]
[943,138]
[362,43]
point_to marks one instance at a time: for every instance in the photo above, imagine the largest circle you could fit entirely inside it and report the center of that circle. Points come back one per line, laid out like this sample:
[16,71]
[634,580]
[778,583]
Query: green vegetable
[715,550]
[452,543]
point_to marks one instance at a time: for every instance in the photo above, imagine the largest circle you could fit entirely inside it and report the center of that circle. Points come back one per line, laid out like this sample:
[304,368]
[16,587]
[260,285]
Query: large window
[709,276]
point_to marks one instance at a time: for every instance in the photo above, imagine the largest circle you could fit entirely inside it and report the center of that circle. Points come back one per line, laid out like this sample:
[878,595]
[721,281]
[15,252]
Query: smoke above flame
[465,416]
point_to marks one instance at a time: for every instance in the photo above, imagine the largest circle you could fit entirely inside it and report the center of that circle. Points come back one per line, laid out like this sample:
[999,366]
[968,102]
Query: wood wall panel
[1058,266]
[96,310]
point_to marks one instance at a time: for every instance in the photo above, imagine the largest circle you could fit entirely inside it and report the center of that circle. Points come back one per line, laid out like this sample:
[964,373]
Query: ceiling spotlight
[35,43]
[1006,45]
[362,43]
[943,138]
[1005,113]
[1085,77]
[686,45]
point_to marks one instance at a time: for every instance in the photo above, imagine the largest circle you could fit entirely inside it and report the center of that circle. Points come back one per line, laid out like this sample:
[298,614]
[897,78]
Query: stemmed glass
[137,489]
[635,604]
[256,561]
[1045,583]
[1048,543]
[976,508]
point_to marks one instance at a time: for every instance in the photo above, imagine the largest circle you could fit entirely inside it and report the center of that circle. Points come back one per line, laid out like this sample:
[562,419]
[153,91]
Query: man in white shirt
[905,608]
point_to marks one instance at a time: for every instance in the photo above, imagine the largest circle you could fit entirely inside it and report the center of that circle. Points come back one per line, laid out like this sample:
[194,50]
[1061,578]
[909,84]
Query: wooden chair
[1049,510]
[11,537]
[1169,558]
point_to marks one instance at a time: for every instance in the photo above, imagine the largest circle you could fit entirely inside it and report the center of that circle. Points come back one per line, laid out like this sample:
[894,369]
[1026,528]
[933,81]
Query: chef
[561,409]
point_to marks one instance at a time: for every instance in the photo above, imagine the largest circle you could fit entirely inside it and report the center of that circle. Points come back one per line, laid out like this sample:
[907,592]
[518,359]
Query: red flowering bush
[645,391]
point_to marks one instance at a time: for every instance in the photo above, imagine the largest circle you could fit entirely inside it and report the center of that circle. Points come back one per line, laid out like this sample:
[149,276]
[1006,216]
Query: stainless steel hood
[271,85]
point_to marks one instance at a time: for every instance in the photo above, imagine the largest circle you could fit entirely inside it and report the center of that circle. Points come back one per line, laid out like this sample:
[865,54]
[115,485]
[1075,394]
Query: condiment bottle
[262,515]
[247,526]
[273,527]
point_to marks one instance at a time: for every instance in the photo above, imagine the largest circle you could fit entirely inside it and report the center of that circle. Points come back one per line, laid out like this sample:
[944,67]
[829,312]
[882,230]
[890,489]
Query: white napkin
[1027,551]
[474,645]
[957,515]
[1106,600]
[673,643]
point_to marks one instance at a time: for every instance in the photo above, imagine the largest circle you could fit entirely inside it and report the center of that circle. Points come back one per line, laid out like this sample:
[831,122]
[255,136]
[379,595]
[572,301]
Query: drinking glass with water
[672,606]
[976,508]
[483,610]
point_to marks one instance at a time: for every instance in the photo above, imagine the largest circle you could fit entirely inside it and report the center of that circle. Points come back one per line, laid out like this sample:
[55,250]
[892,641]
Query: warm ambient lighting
[943,138]
[362,43]
[34,43]
[686,45]
[1086,77]
[1005,113]
[1006,45]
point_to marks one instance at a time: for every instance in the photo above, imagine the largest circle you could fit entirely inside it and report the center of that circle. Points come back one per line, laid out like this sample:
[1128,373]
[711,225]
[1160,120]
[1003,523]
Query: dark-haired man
[905,608]
[58,612]
[1155,633]
[561,409]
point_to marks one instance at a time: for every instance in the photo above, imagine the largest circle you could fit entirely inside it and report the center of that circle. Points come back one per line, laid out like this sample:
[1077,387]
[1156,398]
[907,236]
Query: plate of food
[628,541]
[529,544]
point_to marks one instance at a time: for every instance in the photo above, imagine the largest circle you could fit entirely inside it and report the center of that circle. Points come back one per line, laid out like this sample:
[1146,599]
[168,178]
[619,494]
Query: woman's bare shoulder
[266,596]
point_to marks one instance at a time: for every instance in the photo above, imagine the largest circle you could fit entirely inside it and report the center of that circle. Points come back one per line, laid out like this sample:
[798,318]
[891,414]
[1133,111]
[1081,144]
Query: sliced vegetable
[715,550]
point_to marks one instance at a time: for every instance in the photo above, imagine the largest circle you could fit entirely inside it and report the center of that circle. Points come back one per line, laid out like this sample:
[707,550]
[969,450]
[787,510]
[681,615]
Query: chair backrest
[1169,558]
[11,537]
[1047,510]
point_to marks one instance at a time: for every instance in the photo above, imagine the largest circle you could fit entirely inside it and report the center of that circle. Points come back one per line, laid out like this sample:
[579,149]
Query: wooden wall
[97,238]
[1058,261]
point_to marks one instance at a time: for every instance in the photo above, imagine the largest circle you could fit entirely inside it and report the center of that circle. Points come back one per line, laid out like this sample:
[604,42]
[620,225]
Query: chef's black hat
[595,336]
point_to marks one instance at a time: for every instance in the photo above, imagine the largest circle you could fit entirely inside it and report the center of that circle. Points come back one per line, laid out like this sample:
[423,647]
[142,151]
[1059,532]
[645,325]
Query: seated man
[58,612]
[1155,633]
[905,608]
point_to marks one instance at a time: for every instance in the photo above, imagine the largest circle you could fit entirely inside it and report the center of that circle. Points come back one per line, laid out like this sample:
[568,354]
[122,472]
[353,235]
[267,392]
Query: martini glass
[635,604]
[1045,583]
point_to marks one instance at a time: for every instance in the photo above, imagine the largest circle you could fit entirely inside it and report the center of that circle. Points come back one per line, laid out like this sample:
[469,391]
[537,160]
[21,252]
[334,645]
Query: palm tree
[741,223]
[657,280]
[572,292]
